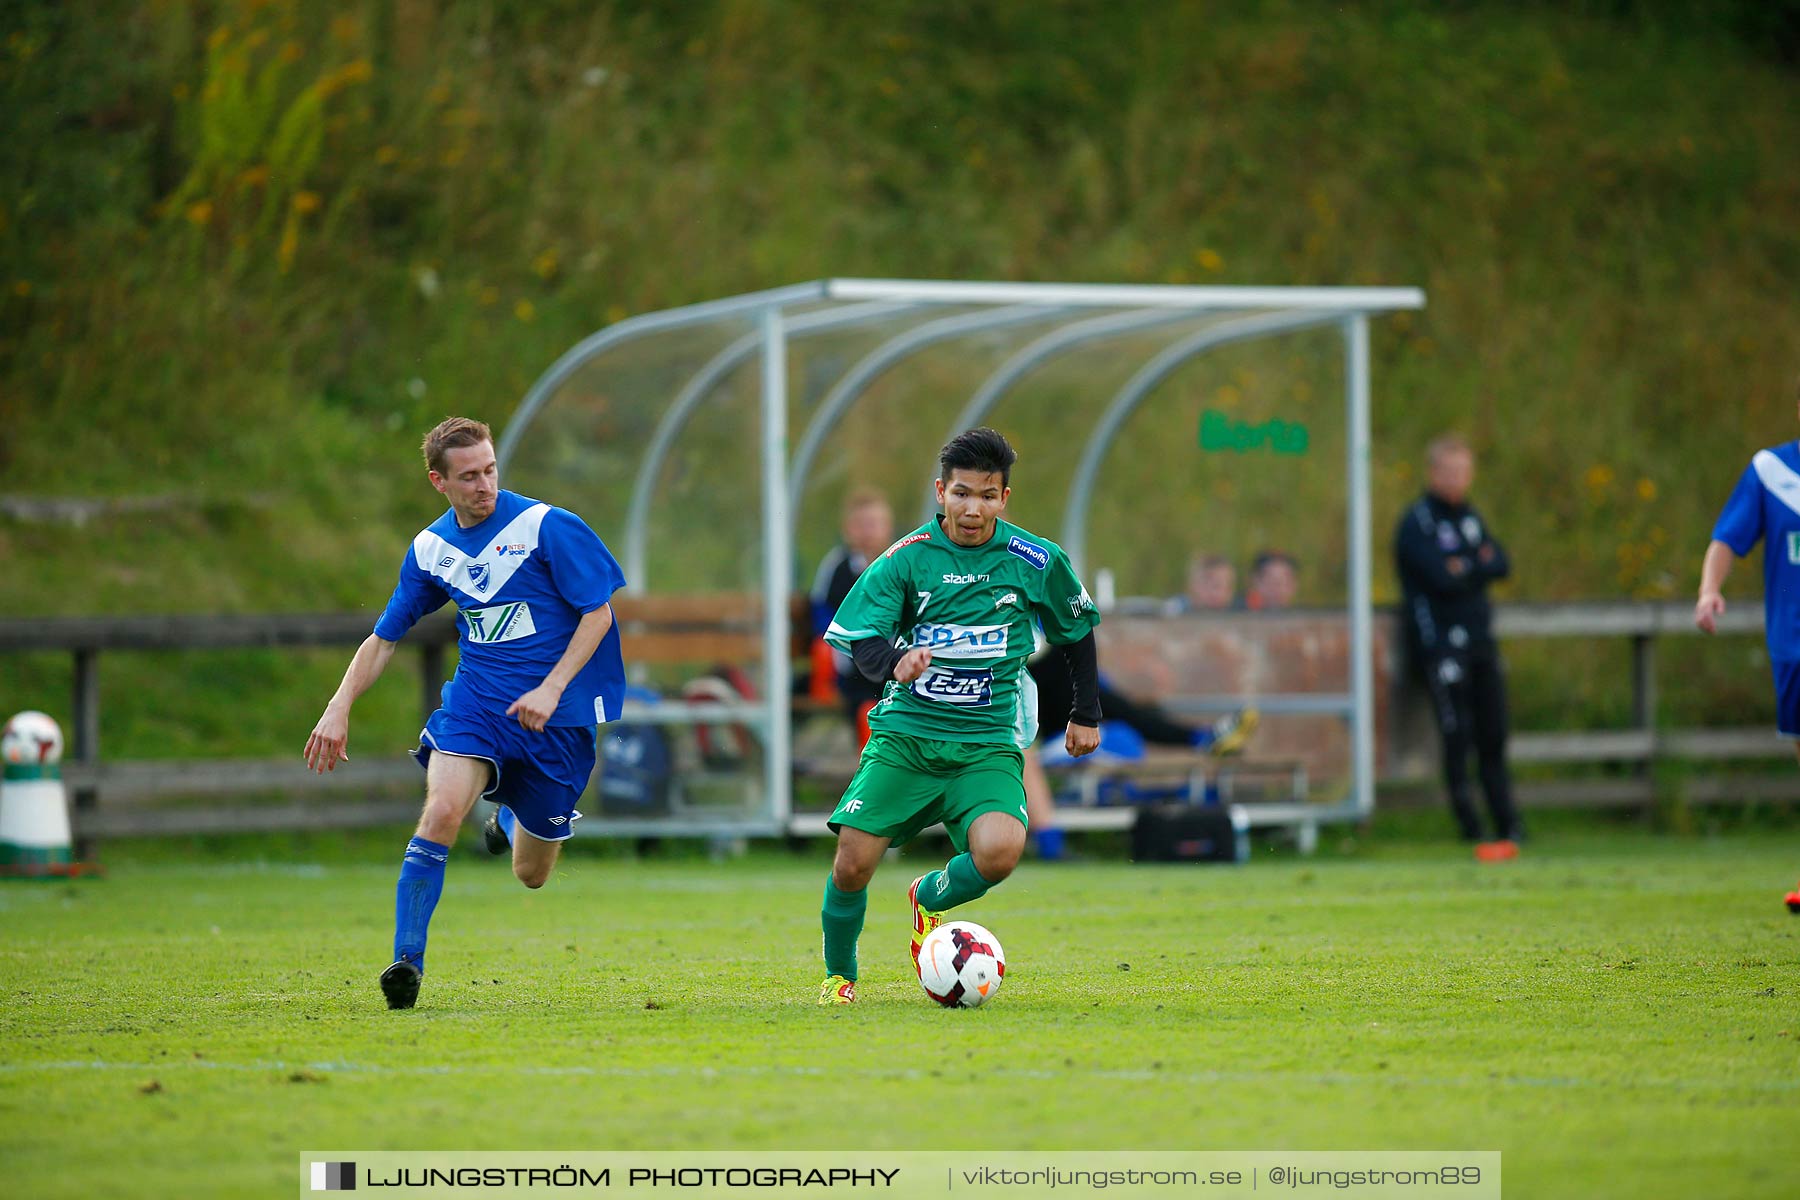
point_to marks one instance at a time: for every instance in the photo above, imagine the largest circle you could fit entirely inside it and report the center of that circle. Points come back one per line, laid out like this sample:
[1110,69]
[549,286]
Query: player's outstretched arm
[535,708]
[325,749]
[1713,570]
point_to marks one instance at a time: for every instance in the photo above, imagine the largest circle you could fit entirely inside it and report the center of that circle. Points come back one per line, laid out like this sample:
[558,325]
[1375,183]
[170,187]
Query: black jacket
[1446,557]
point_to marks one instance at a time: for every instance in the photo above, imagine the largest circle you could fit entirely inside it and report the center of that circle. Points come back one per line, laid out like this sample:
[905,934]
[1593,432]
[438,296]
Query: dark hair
[982,450]
[1269,558]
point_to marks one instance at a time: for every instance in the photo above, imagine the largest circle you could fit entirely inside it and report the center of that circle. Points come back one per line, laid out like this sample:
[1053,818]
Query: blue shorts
[540,776]
[1787,698]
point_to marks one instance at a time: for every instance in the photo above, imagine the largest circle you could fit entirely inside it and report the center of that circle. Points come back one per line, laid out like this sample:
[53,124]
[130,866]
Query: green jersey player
[945,620]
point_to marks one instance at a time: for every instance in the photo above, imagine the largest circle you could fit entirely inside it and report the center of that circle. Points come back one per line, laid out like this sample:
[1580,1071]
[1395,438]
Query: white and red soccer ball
[31,738]
[961,964]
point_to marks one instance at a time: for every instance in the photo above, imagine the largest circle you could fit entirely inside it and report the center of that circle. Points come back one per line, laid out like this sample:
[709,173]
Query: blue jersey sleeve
[414,596]
[1740,526]
[582,568]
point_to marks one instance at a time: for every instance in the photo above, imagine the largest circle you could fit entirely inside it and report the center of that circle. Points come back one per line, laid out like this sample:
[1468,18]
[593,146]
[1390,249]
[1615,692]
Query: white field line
[674,1071]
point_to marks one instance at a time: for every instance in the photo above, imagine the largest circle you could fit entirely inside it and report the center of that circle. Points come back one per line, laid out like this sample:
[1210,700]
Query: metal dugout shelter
[608,421]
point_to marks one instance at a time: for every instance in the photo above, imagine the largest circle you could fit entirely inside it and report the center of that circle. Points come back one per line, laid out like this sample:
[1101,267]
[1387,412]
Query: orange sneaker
[1499,851]
[924,921]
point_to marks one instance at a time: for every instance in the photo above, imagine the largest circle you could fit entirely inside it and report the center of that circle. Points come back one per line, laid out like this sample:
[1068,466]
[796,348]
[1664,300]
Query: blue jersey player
[539,669]
[1765,506]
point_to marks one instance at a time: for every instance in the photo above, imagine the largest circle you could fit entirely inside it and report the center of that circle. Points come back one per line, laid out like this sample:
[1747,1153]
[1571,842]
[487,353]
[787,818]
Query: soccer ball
[31,738]
[961,965]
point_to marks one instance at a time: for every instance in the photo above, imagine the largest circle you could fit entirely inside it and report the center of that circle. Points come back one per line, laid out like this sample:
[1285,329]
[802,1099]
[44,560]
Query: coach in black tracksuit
[1446,558]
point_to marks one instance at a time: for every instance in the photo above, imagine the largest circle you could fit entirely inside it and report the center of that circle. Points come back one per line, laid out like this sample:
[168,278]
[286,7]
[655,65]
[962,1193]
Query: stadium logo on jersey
[501,623]
[960,641]
[1031,552]
[965,578]
[478,575]
[903,543]
[961,686]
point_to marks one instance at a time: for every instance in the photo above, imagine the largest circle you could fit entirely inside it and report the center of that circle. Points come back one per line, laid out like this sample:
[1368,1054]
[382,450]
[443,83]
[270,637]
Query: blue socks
[507,821]
[421,883]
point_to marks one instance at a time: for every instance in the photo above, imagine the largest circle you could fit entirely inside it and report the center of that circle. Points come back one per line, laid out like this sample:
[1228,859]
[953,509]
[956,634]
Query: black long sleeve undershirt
[1083,658]
[877,657]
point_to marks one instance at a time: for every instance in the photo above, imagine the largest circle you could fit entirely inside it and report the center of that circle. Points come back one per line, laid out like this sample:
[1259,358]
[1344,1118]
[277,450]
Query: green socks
[956,884]
[842,917]
[842,913]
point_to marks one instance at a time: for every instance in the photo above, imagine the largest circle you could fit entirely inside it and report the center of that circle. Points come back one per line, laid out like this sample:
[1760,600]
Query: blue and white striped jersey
[1765,506]
[521,581]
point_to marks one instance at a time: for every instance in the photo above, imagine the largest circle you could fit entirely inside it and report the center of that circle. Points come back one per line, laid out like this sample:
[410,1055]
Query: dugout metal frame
[800,310]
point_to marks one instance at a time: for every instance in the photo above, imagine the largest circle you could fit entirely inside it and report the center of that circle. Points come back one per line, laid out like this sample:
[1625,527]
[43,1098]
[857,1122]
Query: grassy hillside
[249,250]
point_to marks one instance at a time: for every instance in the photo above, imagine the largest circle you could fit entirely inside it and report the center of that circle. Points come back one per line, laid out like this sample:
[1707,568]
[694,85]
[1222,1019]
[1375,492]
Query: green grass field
[1615,1013]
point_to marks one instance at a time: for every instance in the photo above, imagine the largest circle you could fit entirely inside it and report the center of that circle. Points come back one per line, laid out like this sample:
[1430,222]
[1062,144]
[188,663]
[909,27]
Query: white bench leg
[1306,834]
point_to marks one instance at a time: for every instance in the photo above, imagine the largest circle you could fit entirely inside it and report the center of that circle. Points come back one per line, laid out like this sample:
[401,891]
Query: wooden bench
[1161,767]
[720,627]
[115,799]
[1230,779]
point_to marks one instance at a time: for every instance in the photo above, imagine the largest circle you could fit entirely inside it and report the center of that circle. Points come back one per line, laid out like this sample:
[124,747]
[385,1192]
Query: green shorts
[905,784]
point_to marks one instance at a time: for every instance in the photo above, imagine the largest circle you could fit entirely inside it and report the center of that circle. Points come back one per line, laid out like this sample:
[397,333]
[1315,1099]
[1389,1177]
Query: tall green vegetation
[249,249]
